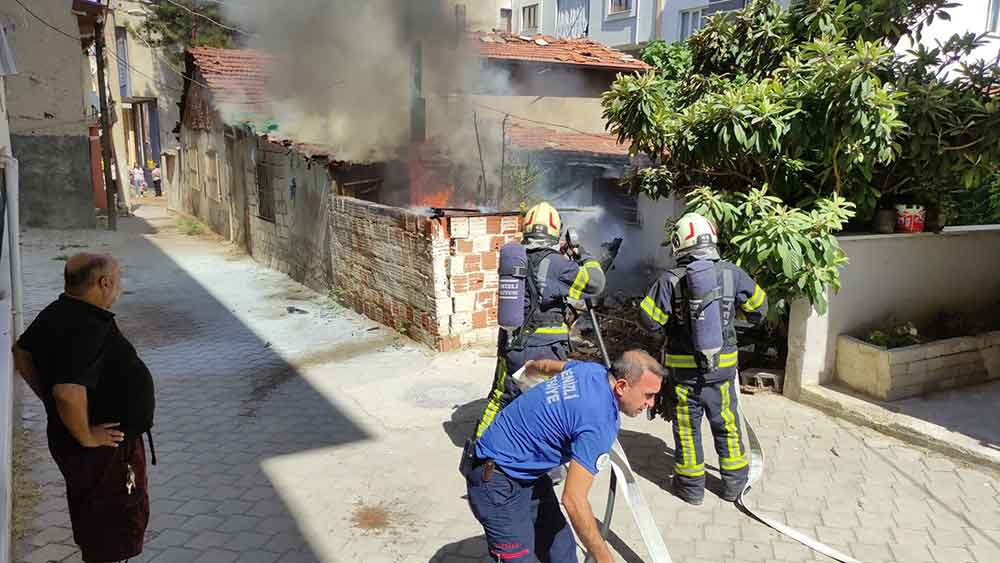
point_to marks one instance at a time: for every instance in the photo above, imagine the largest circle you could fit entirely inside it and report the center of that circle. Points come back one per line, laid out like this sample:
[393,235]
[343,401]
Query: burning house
[407,232]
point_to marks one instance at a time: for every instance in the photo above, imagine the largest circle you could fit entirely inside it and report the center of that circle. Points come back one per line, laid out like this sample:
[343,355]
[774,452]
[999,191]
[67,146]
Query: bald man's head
[84,271]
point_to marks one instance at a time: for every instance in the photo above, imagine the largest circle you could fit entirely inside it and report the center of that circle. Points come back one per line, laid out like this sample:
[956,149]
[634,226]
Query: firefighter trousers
[721,403]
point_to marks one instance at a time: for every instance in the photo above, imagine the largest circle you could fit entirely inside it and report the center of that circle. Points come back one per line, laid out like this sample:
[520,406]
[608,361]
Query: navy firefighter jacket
[662,311]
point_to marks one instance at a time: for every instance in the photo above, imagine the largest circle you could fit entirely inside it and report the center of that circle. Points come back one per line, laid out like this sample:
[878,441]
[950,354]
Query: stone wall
[911,371]
[390,265]
[297,241]
[204,177]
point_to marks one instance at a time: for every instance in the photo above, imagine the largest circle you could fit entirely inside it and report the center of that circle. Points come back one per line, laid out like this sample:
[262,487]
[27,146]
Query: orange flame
[427,189]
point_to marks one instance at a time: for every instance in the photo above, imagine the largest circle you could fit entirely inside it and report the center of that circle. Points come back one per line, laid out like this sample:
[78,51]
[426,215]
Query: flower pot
[937,219]
[910,218]
[885,221]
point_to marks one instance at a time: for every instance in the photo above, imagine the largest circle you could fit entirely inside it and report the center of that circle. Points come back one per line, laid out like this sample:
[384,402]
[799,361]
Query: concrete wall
[48,122]
[579,113]
[624,30]
[908,277]
[969,16]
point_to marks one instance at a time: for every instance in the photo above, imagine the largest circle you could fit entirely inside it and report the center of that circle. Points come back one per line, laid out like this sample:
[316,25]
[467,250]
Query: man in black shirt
[98,398]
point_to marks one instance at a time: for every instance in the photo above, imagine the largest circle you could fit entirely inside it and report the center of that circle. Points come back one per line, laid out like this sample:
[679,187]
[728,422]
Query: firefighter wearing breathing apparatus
[694,306]
[537,278]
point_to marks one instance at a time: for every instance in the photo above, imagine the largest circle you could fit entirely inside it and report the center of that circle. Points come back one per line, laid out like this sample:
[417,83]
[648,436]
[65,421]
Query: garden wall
[909,277]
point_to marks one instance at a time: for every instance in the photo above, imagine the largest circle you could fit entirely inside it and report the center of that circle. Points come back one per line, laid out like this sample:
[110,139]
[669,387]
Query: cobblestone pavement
[308,434]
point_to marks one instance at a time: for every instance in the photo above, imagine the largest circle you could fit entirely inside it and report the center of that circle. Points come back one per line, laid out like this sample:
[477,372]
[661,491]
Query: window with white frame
[993,25]
[691,22]
[529,19]
[619,7]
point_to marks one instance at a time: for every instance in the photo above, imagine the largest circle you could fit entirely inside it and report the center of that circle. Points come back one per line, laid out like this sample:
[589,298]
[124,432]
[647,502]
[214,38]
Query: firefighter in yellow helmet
[555,275]
[694,306]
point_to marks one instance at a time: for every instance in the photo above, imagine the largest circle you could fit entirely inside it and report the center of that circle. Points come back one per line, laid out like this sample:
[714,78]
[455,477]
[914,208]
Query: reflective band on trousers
[687,360]
[493,405]
[654,312]
[755,301]
[736,458]
[687,463]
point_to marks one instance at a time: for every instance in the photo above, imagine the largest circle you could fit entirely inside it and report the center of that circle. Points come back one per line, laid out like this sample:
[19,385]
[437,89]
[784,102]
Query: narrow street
[290,429]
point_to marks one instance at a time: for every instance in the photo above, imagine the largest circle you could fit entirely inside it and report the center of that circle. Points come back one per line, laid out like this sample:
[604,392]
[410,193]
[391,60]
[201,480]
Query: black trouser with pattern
[720,402]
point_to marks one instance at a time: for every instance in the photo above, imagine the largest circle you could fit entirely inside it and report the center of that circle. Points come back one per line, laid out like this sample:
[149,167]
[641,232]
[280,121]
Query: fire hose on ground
[621,471]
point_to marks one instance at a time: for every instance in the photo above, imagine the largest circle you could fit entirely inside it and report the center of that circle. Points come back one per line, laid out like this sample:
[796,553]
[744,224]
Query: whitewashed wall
[907,277]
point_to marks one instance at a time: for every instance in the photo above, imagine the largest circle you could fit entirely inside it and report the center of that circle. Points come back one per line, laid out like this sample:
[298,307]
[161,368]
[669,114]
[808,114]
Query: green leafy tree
[173,27]
[793,120]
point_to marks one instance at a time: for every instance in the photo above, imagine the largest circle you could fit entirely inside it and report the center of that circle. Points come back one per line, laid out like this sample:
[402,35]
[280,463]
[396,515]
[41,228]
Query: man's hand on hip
[105,435]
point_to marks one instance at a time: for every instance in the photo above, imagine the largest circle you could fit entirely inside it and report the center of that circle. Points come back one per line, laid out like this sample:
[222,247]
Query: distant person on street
[99,401]
[570,418]
[157,187]
[138,181]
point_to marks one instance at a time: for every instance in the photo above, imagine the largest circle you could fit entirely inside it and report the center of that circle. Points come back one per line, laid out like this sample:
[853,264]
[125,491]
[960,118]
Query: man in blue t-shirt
[571,418]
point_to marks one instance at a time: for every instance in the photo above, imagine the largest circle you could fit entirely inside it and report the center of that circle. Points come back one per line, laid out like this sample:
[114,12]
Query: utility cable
[203,16]
[47,24]
[538,122]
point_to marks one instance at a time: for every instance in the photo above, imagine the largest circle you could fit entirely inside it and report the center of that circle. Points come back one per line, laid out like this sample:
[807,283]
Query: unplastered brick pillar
[474,257]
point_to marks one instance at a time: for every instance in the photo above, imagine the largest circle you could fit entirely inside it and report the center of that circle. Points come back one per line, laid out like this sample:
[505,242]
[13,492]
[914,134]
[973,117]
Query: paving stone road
[308,434]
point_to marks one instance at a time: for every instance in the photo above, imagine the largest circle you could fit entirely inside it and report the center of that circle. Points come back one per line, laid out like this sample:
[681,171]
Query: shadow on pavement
[227,400]
[657,463]
[463,422]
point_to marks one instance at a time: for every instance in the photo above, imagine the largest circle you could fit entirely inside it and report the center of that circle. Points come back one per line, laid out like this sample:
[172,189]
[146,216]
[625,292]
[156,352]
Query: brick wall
[434,278]
[474,252]
[390,265]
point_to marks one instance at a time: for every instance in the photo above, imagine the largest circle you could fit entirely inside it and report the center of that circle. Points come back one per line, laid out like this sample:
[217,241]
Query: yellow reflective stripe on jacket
[563,329]
[755,301]
[582,279]
[732,430]
[679,361]
[592,264]
[654,312]
[726,360]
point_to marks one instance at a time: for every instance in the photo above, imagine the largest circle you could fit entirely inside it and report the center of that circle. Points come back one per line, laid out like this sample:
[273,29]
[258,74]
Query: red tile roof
[235,76]
[545,49]
[528,136]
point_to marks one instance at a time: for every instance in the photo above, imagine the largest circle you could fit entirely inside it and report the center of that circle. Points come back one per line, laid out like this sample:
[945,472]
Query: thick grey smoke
[346,75]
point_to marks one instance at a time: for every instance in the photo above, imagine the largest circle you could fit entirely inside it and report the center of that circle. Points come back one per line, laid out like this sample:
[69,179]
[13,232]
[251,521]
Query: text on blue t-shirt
[574,415]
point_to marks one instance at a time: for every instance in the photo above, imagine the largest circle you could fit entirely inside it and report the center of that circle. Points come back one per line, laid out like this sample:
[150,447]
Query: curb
[843,405]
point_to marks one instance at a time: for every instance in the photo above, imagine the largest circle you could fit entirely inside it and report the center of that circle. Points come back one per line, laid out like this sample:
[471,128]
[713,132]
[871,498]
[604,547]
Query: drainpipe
[10,174]
[658,12]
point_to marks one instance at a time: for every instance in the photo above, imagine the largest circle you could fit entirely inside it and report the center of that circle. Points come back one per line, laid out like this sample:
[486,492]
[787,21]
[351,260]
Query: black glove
[665,404]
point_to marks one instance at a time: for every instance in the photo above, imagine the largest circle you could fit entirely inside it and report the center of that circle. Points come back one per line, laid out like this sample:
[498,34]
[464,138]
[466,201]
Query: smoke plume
[345,77]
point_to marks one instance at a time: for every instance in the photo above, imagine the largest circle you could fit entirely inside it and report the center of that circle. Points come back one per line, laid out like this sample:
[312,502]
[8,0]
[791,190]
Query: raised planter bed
[897,373]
